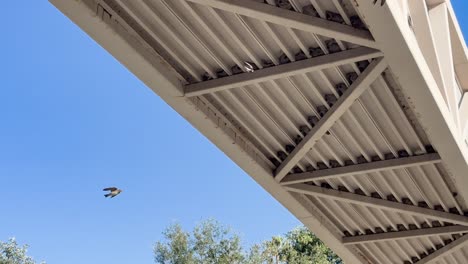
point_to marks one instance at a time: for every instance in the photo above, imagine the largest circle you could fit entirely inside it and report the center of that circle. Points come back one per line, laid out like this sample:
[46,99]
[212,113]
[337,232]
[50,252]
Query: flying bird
[381,3]
[113,191]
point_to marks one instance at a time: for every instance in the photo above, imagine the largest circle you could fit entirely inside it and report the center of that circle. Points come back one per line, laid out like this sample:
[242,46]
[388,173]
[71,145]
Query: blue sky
[74,121]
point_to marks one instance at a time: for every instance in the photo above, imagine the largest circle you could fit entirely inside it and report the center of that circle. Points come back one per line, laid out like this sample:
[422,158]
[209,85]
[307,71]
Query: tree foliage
[212,243]
[12,253]
[296,247]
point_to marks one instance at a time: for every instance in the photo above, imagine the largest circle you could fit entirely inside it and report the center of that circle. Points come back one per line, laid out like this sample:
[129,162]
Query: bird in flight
[382,3]
[113,191]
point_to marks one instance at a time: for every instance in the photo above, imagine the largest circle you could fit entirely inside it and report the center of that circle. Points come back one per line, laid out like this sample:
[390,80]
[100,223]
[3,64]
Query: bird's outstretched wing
[110,189]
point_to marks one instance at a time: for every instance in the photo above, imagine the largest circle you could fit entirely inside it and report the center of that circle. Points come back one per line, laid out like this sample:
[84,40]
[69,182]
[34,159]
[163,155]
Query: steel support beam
[408,65]
[376,166]
[447,250]
[359,86]
[377,203]
[291,19]
[425,232]
[440,26]
[464,113]
[425,36]
[282,71]
[459,49]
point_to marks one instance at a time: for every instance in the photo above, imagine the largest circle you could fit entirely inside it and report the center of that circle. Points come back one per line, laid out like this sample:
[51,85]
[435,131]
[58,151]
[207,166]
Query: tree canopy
[12,253]
[210,243]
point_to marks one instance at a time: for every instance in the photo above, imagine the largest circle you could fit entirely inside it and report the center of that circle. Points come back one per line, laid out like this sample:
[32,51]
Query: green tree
[297,247]
[211,243]
[274,250]
[177,249]
[11,253]
[302,246]
[255,255]
[215,244]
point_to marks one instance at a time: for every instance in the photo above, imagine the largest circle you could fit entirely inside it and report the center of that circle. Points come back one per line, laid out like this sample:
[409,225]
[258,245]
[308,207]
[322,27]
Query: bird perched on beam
[113,192]
[381,3]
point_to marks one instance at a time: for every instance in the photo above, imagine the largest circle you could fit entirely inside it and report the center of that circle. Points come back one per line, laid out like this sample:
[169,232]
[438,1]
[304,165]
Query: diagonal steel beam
[449,249]
[295,20]
[336,111]
[362,168]
[281,71]
[425,232]
[377,203]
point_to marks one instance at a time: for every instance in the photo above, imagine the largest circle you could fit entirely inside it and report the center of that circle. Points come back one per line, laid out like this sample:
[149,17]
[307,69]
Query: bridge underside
[350,114]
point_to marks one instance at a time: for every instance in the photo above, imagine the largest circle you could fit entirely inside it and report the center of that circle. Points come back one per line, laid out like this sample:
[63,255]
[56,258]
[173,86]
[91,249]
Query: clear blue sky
[73,120]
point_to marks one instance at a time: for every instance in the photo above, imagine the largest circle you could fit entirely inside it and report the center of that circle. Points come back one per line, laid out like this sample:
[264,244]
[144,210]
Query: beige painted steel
[362,168]
[447,250]
[402,52]
[163,80]
[408,234]
[464,115]
[362,83]
[299,21]
[282,71]
[377,203]
[459,49]
[440,25]
[425,36]
[170,43]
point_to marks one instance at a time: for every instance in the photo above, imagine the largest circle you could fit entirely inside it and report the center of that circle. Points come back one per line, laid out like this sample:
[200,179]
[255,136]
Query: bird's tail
[107,195]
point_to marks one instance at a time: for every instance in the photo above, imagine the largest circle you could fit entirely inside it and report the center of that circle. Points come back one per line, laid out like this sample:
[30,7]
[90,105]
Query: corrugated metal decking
[319,113]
